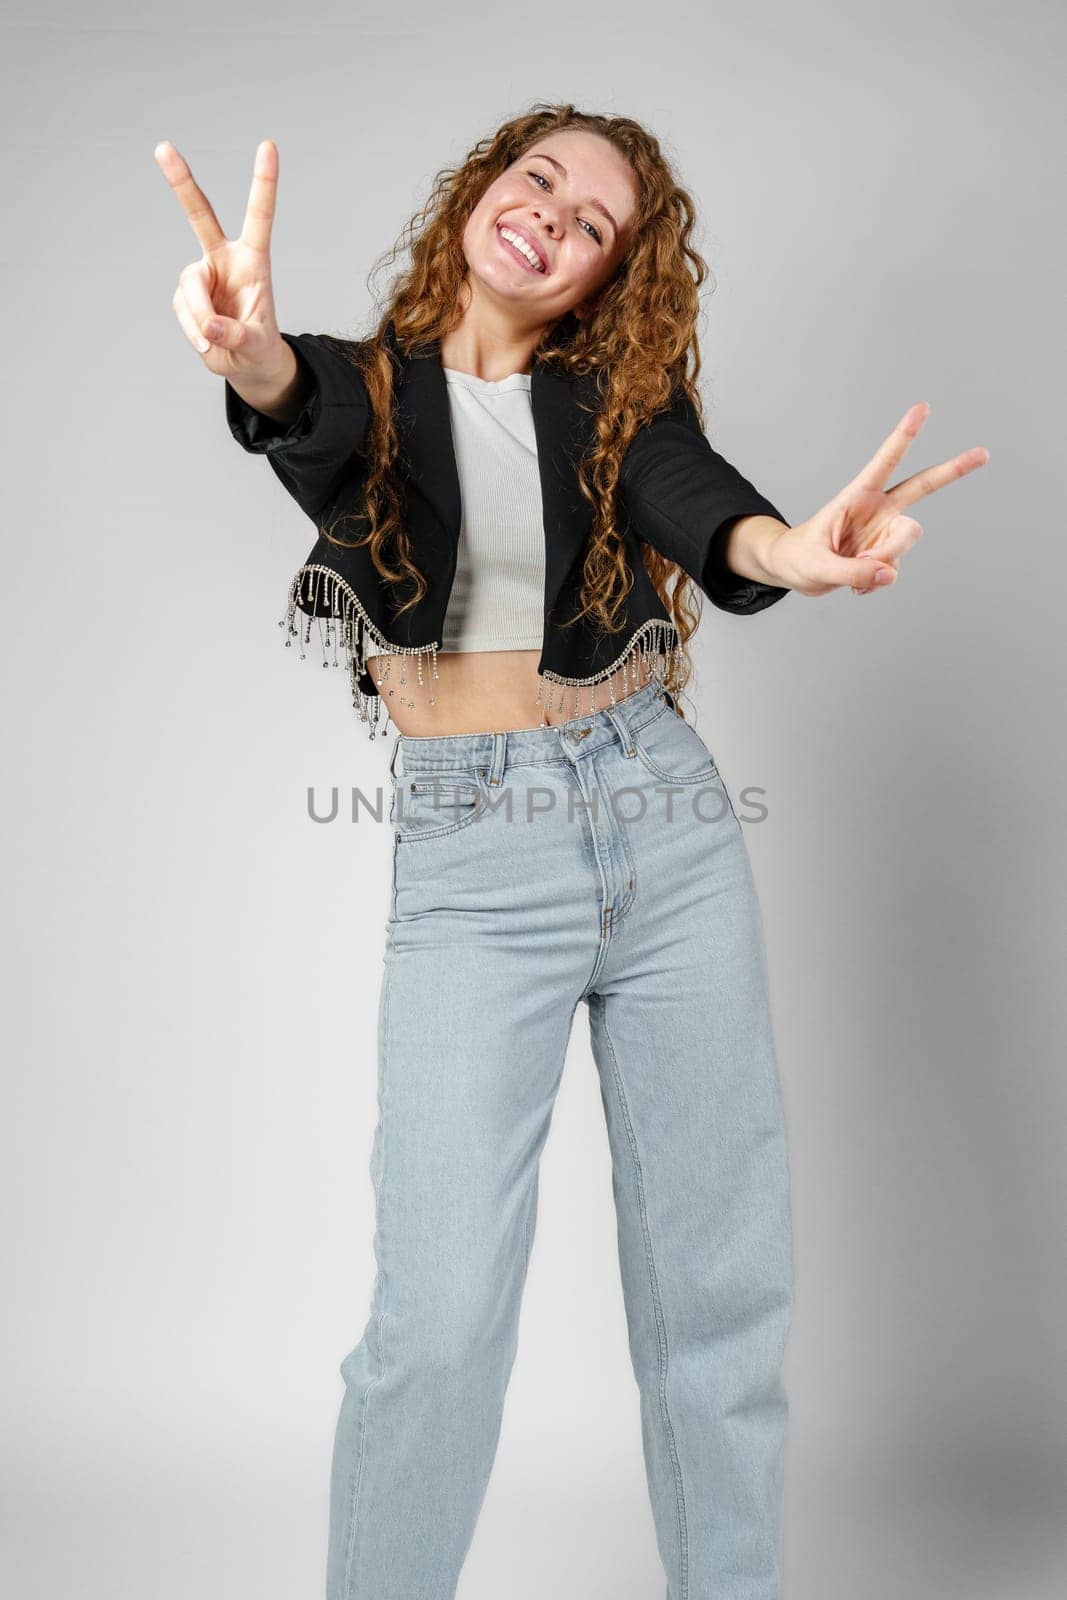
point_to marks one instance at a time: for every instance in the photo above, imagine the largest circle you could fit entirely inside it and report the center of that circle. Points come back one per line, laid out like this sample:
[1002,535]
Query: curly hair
[637,339]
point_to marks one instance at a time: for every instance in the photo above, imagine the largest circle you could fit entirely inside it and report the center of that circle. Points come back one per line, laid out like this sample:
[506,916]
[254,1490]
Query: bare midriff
[490,691]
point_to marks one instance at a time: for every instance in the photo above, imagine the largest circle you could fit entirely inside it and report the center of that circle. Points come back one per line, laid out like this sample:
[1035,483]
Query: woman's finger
[259,213]
[195,285]
[194,202]
[224,333]
[188,323]
[895,539]
[825,567]
[930,479]
[891,451]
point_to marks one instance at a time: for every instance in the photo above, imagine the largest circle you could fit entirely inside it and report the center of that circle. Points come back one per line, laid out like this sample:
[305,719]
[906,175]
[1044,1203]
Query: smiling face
[550,231]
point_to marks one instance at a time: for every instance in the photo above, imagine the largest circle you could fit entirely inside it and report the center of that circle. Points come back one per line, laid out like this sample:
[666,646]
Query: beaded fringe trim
[648,655]
[349,627]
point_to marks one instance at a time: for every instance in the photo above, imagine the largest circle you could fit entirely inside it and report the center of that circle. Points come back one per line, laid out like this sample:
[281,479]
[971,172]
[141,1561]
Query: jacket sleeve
[315,453]
[683,498]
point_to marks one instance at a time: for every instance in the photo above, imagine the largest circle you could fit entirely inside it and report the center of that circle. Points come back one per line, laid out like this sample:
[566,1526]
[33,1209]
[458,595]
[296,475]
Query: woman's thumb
[863,573]
[225,332]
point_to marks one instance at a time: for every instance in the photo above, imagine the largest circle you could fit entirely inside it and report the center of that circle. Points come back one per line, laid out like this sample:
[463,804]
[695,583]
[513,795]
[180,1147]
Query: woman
[514,497]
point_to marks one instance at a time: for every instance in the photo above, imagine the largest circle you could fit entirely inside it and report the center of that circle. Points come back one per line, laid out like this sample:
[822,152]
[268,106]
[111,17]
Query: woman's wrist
[750,548]
[280,393]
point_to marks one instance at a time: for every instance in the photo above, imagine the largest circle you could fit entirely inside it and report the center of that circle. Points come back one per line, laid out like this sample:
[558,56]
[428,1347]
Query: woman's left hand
[859,536]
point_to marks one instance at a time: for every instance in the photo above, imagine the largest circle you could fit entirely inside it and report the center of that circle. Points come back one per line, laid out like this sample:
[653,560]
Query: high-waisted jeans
[597,860]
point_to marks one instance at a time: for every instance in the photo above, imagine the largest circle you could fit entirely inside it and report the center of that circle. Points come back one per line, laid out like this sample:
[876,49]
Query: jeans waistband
[494,753]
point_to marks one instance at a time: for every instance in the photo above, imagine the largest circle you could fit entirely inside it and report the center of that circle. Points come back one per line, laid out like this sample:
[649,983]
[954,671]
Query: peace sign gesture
[225,301]
[859,536]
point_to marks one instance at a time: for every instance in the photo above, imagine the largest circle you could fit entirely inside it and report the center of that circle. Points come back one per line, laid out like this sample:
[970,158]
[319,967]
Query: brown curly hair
[637,337]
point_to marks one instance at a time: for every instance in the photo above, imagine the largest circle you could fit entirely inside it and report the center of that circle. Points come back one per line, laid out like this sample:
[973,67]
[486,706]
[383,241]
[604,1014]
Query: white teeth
[520,244]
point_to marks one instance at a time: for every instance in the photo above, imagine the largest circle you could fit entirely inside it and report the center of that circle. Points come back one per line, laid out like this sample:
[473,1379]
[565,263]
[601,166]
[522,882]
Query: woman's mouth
[520,249]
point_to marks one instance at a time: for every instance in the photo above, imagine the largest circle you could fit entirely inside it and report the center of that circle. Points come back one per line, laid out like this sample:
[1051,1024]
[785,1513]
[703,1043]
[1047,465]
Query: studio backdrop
[193,945]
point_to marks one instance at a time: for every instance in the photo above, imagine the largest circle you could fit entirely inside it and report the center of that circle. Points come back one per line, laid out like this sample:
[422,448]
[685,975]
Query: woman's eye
[595,232]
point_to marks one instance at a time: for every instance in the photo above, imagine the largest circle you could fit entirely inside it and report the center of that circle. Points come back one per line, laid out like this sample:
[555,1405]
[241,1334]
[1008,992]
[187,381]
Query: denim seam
[353,1511]
[629,893]
[661,1330]
[527,1240]
[730,802]
[601,954]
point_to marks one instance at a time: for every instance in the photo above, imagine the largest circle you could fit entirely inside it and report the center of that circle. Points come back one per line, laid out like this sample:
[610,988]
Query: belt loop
[499,756]
[623,730]
[392,758]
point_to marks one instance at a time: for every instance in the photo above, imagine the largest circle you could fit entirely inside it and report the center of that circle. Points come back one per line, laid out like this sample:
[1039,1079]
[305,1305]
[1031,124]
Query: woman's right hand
[225,301]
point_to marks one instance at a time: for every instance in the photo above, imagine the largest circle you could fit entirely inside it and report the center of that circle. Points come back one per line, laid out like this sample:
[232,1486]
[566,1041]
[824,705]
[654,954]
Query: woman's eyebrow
[561,169]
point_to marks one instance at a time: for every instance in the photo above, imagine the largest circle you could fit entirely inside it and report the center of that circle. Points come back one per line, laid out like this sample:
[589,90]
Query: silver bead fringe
[349,627]
[648,655]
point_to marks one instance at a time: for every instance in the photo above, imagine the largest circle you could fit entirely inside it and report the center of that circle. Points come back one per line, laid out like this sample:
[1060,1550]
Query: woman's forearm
[749,548]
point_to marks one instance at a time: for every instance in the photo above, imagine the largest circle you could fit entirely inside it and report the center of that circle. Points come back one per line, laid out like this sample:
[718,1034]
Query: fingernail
[214,330]
[203,345]
[882,576]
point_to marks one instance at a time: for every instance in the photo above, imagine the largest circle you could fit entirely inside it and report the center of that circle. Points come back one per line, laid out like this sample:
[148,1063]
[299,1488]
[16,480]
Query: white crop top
[498,596]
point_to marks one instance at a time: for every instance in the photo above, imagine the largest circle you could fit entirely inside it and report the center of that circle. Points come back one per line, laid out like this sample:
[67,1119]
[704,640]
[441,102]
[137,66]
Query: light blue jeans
[616,874]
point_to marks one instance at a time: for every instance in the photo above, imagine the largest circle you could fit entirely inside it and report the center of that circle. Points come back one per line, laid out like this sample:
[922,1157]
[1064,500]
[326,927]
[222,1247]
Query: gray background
[192,964]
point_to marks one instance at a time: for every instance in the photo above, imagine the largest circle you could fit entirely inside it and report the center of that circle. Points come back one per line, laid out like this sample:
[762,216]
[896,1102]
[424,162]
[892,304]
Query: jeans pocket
[671,749]
[436,804]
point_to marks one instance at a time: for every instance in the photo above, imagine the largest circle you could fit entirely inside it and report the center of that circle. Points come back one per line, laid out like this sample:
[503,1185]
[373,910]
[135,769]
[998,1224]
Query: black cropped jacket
[675,492]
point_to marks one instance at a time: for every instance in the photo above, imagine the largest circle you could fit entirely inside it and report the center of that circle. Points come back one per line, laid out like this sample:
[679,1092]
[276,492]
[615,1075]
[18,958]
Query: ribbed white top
[497,599]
